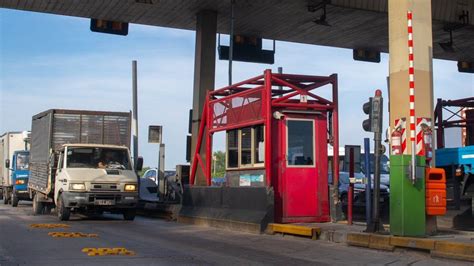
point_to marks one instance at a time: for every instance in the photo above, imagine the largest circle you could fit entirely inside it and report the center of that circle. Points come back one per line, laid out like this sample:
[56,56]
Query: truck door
[304,172]
[60,181]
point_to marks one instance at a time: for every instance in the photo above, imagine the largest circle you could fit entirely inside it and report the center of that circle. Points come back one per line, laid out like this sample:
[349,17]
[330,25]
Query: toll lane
[153,241]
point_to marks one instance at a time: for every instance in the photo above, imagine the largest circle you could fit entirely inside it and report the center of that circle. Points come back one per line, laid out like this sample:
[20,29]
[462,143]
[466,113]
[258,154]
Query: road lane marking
[71,234]
[108,252]
[49,226]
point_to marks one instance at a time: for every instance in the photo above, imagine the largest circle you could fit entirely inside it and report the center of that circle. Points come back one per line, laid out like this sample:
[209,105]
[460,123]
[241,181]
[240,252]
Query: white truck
[9,143]
[80,162]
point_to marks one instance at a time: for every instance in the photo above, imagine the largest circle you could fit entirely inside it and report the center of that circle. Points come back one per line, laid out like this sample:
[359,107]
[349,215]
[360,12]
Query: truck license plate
[104,202]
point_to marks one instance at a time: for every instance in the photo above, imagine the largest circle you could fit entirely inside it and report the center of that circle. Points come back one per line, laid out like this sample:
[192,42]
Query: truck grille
[104,187]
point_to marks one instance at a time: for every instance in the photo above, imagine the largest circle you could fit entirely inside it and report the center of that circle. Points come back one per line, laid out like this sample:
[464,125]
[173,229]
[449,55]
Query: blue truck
[14,172]
[458,162]
[459,166]
[19,175]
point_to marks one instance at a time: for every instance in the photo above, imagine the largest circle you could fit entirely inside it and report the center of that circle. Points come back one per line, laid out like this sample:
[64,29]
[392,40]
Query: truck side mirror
[7,163]
[139,165]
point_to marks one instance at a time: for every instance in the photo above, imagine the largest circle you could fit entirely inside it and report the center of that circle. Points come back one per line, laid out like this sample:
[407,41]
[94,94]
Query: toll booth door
[304,197]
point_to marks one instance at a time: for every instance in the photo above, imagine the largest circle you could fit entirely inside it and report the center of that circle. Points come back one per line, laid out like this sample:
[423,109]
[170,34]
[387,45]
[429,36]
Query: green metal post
[407,200]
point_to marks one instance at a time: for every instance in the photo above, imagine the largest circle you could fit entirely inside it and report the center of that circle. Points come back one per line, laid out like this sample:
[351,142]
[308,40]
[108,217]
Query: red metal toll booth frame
[261,101]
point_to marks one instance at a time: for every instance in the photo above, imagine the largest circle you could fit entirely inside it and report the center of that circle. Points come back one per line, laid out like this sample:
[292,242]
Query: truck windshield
[22,161]
[106,158]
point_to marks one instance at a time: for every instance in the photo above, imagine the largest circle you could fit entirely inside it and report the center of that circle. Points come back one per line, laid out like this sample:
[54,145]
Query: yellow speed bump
[108,252]
[49,226]
[293,229]
[71,234]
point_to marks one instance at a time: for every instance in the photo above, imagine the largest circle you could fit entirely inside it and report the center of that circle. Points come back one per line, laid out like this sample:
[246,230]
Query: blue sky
[50,61]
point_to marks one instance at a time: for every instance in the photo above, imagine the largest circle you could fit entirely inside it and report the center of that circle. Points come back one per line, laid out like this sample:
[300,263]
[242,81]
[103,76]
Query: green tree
[144,169]
[218,164]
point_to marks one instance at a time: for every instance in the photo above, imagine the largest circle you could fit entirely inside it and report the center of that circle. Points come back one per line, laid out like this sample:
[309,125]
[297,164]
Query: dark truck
[80,162]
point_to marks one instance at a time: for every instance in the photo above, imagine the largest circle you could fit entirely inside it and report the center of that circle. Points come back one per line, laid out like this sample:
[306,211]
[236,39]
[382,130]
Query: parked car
[156,189]
[359,191]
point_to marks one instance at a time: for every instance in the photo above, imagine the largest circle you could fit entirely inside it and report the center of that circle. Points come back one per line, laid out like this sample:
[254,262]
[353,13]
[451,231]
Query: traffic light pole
[374,108]
[376,225]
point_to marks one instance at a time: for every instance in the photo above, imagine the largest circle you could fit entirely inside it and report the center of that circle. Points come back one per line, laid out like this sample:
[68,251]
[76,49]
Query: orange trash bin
[435,191]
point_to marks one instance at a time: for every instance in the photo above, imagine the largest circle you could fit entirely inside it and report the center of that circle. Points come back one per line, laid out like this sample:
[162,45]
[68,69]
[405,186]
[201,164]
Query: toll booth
[277,135]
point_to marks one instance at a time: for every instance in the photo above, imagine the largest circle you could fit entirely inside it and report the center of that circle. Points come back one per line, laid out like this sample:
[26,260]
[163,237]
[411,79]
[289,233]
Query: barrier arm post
[198,146]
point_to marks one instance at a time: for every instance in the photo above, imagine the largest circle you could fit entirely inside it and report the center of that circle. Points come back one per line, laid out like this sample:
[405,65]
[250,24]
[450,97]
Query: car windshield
[105,158]
[22,161]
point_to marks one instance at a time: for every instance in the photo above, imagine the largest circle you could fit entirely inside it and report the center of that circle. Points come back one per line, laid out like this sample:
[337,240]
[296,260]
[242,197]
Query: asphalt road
[157,241]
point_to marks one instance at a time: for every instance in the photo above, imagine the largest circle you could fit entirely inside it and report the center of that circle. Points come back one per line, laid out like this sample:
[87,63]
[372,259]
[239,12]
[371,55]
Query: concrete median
[247,209]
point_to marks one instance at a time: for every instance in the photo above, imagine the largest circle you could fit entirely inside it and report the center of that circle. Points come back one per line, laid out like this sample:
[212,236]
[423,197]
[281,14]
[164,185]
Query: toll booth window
[246,150]
[233,149]
[300,149]
[245,147]
[259,153]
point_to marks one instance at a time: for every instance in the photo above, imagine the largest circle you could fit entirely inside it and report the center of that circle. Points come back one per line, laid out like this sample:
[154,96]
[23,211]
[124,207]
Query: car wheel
[63,212]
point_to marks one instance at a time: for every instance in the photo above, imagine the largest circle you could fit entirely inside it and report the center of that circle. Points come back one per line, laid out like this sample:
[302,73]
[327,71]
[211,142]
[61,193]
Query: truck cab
[20,174]
[95,178]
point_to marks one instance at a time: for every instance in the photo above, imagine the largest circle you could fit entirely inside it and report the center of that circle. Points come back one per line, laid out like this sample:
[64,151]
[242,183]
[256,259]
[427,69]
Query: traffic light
[112,27]
[373,108]
[367,123]
[366,55]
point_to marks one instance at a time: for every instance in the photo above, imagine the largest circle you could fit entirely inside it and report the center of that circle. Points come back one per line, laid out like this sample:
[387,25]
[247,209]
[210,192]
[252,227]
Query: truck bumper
[22,194]
[118,200]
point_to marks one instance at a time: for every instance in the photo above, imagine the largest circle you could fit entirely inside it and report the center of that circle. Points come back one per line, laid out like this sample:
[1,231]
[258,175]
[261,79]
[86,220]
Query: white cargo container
[9,143]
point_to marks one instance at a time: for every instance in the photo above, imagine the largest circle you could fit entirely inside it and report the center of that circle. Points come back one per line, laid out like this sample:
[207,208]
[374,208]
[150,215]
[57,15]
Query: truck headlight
[130,187]
[20,182]
[77,186]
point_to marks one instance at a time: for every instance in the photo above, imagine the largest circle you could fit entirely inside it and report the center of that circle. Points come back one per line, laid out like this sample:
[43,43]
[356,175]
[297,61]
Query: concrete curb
[453,250]
[373,241]
[437,248]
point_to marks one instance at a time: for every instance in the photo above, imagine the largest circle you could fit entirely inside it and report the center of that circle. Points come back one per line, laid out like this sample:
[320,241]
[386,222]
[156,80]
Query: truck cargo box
[53,128]
[9,143]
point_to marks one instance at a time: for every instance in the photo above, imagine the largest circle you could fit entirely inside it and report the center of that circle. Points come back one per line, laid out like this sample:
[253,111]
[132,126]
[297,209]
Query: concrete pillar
[398,48]
[204,75]
[407,208]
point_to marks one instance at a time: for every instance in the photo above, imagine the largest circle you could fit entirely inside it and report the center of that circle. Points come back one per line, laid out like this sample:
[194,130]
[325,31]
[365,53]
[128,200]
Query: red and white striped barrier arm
[411,72]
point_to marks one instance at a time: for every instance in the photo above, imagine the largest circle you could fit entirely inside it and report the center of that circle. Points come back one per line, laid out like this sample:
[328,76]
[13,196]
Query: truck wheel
[37,205]
[63,212]
[5,196]
[129,214]
[15,199]
[47,208]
